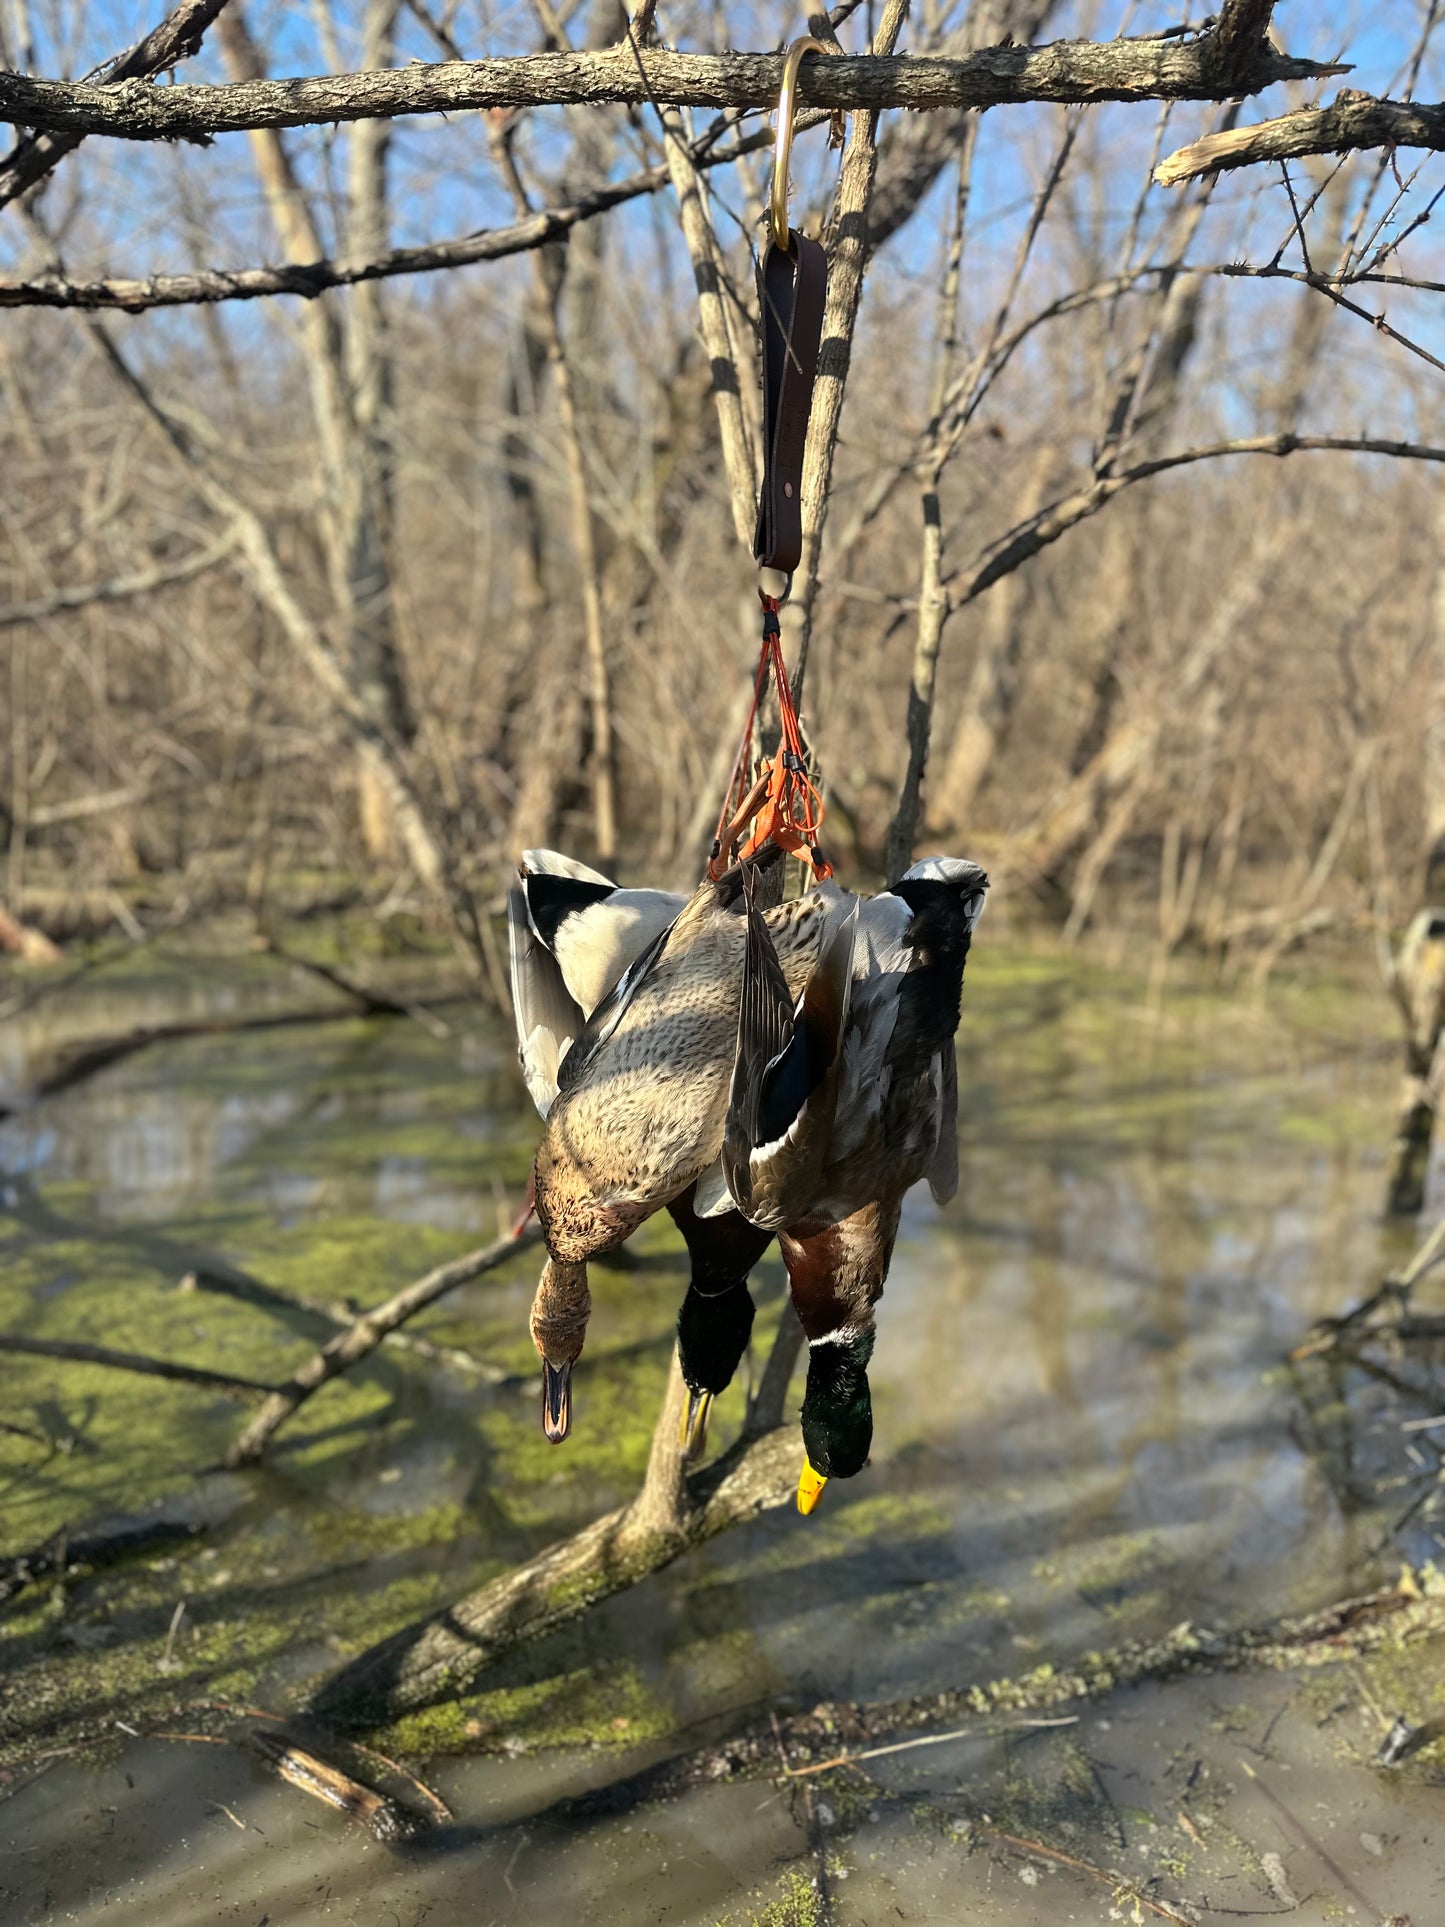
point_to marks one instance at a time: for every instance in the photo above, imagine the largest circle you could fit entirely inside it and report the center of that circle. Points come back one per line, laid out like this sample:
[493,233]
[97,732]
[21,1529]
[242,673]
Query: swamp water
[1085,1433]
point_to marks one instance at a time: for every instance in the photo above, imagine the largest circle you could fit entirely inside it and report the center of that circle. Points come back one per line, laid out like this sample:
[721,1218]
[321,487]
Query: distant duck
[823,1147]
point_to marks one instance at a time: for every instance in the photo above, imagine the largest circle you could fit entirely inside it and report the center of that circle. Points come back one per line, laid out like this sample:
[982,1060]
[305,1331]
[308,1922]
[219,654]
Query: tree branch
[444,1653]
[1352,121]
[176,38]
[308,279]
[120,588]
[1011,551]
[80,1354]
[364,1334]
[1081,71]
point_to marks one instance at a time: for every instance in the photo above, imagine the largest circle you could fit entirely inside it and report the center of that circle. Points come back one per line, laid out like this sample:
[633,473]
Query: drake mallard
[823,1145]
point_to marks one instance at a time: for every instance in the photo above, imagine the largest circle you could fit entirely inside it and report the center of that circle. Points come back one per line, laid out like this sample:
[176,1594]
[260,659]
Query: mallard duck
[571,933]
[642,1095]
[825,1149]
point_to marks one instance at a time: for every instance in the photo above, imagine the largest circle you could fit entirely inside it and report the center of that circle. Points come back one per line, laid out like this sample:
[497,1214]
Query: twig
[362,1337]
[1327,1333]
[74,1352]
[1352,121]
[1125,1889]
[907,1746]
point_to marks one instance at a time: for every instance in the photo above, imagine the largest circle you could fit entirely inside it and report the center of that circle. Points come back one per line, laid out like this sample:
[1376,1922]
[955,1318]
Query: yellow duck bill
[692,1432]
[810,1488]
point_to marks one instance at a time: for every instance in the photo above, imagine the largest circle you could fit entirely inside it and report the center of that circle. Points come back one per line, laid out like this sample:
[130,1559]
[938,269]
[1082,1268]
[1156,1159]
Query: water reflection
[1083,1427]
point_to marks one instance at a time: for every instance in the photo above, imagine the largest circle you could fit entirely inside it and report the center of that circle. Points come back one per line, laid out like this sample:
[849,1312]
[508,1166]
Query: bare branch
[1011,551]
[176,38]
[1081,71]
[1352,121]
[79,1354]
[848,255]
[120,588]
[365,1333]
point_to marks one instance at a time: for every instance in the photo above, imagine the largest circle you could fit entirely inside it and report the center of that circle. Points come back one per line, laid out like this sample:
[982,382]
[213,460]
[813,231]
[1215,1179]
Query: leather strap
[791,288]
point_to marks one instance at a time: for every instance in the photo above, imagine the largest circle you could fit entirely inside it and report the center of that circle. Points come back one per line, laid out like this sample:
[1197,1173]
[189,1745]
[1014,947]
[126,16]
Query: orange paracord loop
[782,803]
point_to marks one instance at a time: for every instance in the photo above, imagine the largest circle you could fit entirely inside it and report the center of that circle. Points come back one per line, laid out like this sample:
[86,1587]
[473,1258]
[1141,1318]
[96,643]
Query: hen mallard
[573,934]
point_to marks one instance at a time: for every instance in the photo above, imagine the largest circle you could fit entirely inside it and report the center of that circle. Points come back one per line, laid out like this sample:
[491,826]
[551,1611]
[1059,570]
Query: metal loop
[783,151]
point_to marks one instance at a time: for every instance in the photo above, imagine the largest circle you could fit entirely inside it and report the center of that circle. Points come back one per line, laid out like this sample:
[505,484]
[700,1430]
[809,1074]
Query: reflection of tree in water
[1370,1385]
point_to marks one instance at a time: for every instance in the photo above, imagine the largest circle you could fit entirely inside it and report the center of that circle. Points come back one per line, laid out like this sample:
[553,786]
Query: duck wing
[943,1169]
[610,1012]
[548,1018]
[571,933]
[897,1114]
[785,1074]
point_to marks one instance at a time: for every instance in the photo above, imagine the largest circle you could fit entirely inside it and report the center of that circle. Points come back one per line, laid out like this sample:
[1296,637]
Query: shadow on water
[1084,1434]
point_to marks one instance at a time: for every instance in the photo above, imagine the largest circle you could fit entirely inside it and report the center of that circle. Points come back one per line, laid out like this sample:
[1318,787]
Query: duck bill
[692,1433]
[810,1488]
[556,1400]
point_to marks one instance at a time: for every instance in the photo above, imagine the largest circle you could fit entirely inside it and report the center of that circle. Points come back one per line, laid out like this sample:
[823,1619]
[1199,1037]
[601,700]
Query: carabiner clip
[783,151]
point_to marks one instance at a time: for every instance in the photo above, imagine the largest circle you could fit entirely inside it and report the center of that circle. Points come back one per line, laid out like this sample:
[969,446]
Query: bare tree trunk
[349,369]
[1418,970]
[549,266]
[994,683]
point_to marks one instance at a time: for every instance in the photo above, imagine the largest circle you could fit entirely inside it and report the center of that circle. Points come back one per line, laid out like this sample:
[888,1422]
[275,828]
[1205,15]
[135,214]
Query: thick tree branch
[1080,71]
[1351,121]
[176,38]
[444,1653]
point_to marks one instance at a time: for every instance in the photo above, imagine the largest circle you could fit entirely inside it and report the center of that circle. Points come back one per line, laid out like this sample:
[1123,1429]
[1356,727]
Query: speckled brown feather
[644,1116]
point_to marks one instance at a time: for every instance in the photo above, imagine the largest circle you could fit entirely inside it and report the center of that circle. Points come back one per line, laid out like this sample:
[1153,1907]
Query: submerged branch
[1344,1631]
[364,1334]
[77,1353]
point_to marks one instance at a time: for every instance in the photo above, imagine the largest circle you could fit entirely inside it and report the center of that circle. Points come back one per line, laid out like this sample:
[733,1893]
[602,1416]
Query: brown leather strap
[791,288]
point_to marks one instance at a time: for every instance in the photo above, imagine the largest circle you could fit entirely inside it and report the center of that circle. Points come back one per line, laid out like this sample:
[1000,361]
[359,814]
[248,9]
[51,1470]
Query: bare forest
[379,454]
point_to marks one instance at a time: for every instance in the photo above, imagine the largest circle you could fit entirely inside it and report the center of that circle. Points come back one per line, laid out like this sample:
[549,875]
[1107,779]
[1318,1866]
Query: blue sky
[132,209]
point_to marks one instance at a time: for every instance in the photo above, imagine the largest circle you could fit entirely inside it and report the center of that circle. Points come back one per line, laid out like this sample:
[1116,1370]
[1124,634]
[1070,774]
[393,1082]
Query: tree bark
[1068,71]
[445,1653]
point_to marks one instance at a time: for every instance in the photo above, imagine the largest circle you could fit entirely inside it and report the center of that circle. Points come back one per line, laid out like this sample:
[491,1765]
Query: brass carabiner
[783,151]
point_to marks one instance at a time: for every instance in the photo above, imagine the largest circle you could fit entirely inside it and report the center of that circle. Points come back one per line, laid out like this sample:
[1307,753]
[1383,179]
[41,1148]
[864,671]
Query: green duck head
[837,1414]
